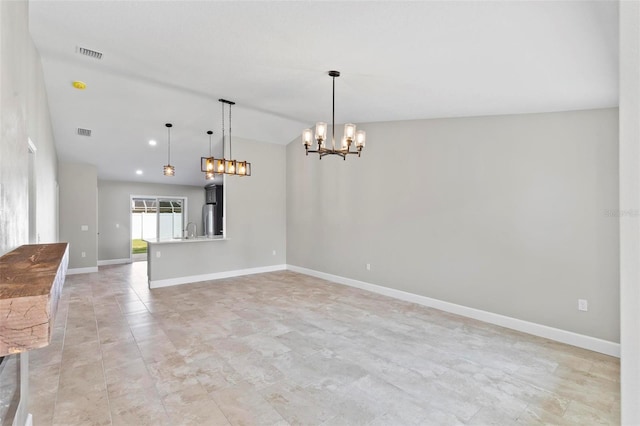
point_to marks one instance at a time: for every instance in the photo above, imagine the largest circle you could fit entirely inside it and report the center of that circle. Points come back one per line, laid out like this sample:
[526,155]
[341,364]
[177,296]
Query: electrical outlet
[158,254]
[583,305]
[84,228]
[84,254]
[274,252]
[368,266]
[117,225]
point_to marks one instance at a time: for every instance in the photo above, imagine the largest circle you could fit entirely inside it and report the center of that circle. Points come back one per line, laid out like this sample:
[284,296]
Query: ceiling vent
[91,53]
[84,132]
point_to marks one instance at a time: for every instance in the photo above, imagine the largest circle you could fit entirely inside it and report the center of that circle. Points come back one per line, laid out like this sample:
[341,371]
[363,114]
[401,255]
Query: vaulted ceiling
[171,61]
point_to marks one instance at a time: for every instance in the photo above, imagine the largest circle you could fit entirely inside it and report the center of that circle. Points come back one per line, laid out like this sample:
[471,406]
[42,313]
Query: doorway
[153,218]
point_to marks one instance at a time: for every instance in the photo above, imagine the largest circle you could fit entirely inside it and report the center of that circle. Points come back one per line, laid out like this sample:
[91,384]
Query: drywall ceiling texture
[14,184]
[78,209]
[172,61]
[114,212]
[507,214]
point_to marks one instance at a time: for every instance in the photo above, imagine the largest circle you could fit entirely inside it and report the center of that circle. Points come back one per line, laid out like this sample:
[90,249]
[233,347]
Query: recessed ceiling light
[138,172]
[152,142]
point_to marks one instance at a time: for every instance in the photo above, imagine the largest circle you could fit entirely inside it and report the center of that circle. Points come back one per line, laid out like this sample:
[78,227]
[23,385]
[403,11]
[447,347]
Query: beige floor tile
[283,348]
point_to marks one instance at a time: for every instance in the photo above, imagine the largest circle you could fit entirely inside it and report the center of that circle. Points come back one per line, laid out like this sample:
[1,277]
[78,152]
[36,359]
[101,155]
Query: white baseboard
[214,276]
[563,336]
[75,271]
[113,262]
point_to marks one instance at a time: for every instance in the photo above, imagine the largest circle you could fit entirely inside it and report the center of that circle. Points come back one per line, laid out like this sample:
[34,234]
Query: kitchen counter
[199,239]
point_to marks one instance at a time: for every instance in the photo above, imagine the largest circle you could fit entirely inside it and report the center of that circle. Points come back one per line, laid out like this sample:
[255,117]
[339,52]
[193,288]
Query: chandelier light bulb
[321,131]
[307,137]
[349,131]
[361,137]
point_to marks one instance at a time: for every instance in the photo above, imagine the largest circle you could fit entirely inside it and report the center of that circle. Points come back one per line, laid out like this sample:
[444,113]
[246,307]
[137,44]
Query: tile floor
[283,348]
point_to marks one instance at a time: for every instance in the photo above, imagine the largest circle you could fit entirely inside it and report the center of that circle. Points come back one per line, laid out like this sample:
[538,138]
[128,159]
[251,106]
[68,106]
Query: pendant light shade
[169,170]
[207,164]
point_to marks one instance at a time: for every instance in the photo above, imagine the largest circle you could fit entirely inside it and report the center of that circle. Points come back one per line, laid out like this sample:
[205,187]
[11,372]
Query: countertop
[199,239]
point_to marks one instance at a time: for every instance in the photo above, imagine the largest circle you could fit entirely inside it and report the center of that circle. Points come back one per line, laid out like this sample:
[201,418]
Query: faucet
[191,234]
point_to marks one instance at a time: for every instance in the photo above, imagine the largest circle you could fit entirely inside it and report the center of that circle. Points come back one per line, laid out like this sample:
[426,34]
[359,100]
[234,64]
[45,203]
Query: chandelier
[218,166]
[169,170]
[350,134]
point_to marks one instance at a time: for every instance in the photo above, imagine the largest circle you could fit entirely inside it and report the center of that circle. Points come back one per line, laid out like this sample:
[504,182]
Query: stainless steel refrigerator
[212,211]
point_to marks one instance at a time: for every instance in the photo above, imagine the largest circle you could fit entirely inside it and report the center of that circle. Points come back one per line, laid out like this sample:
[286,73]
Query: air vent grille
[84,132]
[91,53]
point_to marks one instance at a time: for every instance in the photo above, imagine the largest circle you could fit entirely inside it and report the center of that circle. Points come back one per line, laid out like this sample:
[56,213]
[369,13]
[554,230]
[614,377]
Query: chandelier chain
[230,146]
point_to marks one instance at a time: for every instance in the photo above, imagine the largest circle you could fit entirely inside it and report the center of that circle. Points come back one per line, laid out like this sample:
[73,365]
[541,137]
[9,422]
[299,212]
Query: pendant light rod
[333,75]
[224,101]
[169,125]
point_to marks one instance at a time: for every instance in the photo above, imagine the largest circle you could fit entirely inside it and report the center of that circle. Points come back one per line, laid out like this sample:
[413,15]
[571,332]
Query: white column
[630,205]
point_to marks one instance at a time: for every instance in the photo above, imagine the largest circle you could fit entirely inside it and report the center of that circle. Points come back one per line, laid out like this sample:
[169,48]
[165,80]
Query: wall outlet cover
[583,305]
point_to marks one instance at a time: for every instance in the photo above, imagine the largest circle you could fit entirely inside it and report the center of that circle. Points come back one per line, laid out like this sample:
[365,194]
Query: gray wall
[256,221]
[630,202]
[114,212]
[506,214]
[78,207]
[24,114]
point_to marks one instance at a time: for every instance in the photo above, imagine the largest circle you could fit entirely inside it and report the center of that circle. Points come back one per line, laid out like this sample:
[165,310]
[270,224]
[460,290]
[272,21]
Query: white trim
[29,421]
[113,262]
[563,336]
[76,271]
[214,276]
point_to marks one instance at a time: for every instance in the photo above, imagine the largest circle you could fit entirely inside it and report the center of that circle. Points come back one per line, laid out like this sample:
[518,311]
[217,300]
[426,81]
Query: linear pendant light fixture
[218,166]
[350,134]
[169,170]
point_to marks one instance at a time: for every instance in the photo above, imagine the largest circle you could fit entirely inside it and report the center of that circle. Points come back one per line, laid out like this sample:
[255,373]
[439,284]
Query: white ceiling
[171,61]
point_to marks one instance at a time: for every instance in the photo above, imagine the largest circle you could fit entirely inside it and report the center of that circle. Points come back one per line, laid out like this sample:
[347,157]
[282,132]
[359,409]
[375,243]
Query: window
[155,217]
